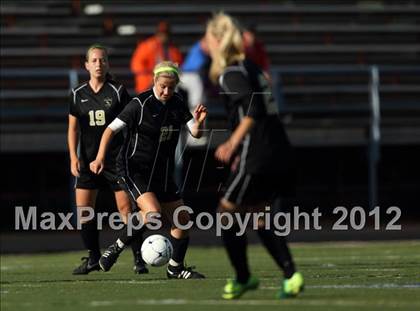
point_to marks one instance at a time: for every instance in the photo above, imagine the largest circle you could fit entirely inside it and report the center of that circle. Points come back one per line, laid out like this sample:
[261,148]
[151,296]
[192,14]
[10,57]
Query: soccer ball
[156,250]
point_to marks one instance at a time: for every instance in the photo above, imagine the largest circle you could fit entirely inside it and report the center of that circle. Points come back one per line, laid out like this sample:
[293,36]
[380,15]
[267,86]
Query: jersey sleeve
[72,105]
[242,93]
[132,113]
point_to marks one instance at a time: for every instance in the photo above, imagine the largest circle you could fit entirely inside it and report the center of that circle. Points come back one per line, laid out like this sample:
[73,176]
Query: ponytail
[227,31]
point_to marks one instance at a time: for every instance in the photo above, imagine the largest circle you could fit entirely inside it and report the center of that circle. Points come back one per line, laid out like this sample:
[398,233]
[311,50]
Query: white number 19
[96,117]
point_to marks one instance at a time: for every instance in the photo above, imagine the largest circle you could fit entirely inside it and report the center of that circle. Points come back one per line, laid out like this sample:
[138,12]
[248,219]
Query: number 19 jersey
[94,111]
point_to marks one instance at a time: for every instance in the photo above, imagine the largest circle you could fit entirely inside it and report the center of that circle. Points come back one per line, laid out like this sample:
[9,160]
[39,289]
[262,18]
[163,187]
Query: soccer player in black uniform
[93,105]
[258,151]
[153,119]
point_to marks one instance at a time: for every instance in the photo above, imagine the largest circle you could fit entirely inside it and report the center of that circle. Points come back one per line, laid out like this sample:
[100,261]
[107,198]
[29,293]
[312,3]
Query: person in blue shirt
[192,79]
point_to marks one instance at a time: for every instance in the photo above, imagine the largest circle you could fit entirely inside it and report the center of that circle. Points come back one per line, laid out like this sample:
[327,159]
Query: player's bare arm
[199,115]
[72,139]
[97,165]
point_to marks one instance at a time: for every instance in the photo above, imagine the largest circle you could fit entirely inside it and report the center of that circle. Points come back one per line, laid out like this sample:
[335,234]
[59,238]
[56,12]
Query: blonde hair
[166,69]
[227,31]
[98,47]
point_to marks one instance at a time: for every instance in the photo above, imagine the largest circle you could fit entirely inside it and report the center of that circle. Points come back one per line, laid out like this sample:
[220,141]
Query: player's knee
[183,218]
[151,210]
[260,223]
[151,216]
[86,214]
[226,206]
[124,210]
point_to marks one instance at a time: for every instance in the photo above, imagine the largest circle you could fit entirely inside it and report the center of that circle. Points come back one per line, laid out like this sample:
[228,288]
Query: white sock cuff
[174,263]
[120,244]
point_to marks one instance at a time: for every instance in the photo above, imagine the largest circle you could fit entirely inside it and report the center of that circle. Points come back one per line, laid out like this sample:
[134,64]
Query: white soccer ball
[156,250]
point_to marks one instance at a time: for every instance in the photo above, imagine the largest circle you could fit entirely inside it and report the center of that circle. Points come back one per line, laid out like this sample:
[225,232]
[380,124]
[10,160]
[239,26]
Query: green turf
[339,276]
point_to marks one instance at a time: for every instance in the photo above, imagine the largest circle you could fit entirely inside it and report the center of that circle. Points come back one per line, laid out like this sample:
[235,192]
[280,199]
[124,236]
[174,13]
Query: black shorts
[251,189]
[89,180]
[139,183]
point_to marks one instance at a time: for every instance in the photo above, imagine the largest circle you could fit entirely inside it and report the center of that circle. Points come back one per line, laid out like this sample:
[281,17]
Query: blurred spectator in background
[151,52]
[255,49]
[194,74]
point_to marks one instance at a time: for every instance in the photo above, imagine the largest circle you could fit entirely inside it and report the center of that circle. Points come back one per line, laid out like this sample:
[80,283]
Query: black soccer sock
[90,237]
[128,236]
[136,248]
[236,247]
[180,247]
[278,249]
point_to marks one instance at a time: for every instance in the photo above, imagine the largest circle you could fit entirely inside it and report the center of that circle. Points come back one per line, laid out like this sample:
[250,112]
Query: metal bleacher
[322,55]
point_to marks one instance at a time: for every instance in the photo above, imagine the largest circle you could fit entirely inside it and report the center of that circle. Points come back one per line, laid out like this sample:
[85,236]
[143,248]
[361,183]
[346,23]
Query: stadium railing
[37,117]
[332,97]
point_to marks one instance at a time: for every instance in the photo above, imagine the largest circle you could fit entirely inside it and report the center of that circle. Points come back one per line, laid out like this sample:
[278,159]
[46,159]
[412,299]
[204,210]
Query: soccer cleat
[140,269]
[292,287]
[87,266]
[139,265]
[182,272]
[109,257]
[233,289]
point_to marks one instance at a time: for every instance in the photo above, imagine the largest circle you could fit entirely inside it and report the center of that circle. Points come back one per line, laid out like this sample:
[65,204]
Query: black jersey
[153,132]
[266,148]
[94,111]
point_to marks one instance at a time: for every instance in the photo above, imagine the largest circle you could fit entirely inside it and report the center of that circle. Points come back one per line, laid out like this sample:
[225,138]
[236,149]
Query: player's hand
[75,167]
[224,152]
[96,166]
[235,163]
[200,113]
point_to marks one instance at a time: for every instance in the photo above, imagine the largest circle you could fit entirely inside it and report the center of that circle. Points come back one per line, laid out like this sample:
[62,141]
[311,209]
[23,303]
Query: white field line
[348,286]
[252,302]
[15,267]
[65,282]
[28,285]
[336,260]
[164,281]
[140,282]
[355,244]
[353,257]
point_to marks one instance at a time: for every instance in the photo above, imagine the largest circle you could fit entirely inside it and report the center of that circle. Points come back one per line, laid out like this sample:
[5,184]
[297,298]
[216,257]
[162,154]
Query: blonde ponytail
[226,30]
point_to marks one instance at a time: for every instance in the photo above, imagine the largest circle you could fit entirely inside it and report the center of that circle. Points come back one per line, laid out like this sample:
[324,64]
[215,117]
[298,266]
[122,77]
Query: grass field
[339,276]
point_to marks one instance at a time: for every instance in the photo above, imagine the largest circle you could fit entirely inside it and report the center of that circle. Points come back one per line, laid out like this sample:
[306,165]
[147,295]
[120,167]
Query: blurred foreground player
[259,153]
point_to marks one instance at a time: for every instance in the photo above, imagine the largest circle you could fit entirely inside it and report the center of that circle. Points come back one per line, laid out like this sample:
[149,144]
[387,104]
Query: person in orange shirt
[150,52]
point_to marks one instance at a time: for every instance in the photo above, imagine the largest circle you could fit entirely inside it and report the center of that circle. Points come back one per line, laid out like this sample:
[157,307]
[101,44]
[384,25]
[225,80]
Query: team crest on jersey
[108,102]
